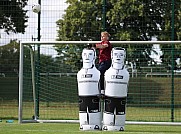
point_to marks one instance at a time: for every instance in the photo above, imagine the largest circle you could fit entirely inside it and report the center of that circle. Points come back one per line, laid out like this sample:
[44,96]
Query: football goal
[48,81]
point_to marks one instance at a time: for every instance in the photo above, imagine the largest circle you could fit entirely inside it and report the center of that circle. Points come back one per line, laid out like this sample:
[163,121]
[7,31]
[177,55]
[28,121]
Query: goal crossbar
[113,42]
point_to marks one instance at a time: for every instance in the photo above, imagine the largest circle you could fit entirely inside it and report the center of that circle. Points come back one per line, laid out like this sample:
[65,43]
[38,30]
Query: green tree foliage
[125,20]
[167,31]
[70,56]
[9,58]
[82,21]
[13,16]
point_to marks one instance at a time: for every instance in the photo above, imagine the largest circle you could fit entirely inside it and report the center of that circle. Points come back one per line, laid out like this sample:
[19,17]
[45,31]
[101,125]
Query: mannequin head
[118,56]
[88,57]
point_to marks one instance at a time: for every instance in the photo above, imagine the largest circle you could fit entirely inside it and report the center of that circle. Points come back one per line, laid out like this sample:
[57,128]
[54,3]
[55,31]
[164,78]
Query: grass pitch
[73,128]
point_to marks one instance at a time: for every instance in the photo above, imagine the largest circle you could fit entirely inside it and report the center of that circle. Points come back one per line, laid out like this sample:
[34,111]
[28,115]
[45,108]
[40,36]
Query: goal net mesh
[48,83]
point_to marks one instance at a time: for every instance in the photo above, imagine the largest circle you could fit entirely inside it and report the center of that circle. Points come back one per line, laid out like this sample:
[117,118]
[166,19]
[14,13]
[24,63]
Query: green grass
[140,94]
[58,111]
[73,128]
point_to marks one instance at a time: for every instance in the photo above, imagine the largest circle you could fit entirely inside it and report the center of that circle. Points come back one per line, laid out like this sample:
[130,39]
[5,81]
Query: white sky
[51,11]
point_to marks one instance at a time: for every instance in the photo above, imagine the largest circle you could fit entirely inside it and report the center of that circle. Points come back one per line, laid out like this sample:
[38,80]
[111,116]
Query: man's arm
[101,46]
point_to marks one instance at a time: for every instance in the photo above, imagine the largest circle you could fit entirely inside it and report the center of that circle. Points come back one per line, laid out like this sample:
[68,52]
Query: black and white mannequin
[116,88]
[88,91]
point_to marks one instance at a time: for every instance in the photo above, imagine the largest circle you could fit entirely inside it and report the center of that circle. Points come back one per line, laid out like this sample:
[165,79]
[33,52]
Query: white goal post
[22,119]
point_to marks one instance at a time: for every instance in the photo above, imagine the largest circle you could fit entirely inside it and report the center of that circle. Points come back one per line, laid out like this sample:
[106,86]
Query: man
[105,48]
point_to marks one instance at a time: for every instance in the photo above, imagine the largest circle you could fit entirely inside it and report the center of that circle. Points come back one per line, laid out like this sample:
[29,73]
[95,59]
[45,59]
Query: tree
[70,57]
[125,20]
[13,16]
[169,32]
[9,58]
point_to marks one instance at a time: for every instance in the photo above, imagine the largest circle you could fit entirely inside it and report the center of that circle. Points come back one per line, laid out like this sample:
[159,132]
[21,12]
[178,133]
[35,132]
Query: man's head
[105,36]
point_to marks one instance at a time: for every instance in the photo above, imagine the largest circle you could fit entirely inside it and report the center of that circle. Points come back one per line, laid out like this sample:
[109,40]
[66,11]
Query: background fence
[150,66]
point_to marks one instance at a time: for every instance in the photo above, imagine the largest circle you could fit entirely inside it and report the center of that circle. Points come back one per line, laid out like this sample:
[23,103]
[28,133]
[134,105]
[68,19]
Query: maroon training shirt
[105,53]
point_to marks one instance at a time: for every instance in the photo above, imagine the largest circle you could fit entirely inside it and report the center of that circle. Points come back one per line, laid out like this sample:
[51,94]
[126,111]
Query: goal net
[48,82]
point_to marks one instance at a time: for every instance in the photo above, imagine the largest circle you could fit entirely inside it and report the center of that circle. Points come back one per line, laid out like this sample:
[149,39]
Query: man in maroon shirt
[105,48]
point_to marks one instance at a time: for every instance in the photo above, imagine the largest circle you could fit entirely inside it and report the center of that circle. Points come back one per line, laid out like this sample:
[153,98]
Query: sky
[51,11]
